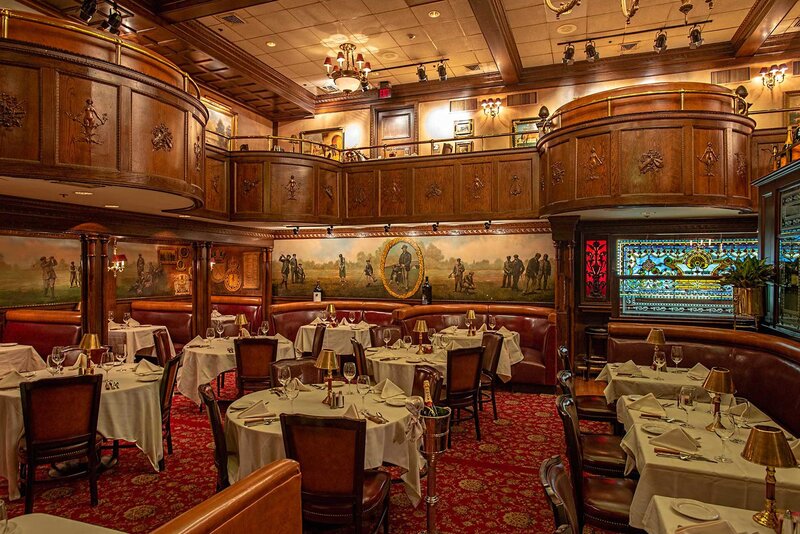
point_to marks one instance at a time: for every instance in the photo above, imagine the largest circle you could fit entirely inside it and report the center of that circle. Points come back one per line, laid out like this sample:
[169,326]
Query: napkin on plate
[714,527]
[629,369]
[676,439]
[257,411]
[316,321]
[12,380]
[363,324]
[300,385]
[198,342]
[144,367]
[388,389]
[749,413]
[505,331]
[397,344]
[648,405]
[244,332]
[698,372]
[80,361]
[352,412]
[449,330]
[133,322]
[113,325]
[482,328]
[215,314]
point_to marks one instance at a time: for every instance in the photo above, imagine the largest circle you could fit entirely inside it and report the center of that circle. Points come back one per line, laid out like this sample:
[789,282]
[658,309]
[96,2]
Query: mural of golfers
[502,268]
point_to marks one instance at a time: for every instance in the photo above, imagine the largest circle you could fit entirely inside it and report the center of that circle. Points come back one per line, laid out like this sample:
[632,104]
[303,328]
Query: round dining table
[22,358]
[337,338]
[510,354]
[398,364]
[137,339]
[262,444]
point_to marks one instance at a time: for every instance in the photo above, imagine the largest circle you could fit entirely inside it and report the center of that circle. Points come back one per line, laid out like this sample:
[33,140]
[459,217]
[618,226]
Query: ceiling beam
[183,10]
[758,25]
[492,20]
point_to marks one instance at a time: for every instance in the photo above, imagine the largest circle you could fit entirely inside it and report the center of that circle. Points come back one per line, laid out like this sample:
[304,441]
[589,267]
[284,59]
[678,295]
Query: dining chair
[590,407]
[434,378]
[492,343]
[166,390]
[602,502]
[602,453]
[60,420]
[336,489]
[254,357]
[226,462]
[305,369]
[563,358]
[360,356]
[558,489]
[376,334]
[319,340]
[463,385]
[163,354]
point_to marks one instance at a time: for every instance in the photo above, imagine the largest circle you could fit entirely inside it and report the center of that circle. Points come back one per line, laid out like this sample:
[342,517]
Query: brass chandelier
[350,71]
[567,6]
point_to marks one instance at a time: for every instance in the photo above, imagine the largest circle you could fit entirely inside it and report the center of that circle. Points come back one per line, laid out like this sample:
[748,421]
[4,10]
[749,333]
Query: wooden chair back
[218,432]
[463,374]
[433,376]
[558,488]
[254,359]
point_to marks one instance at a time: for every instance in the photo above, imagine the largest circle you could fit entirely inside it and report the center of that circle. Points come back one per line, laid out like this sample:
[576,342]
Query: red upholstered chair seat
[603,452]
[608,499]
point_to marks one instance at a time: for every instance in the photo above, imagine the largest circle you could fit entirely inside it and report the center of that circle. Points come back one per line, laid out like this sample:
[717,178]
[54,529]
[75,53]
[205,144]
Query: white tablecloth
[510,354]
[337,338]
[739,484]
[138,338]
[203,362]
[22,358]
[39,523]
[660,518]
[131,413]
[400,365]
[224,319]
[663,389]
[260,445]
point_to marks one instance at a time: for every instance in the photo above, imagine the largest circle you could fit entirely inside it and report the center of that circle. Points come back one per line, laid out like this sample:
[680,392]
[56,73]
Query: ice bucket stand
[434,443]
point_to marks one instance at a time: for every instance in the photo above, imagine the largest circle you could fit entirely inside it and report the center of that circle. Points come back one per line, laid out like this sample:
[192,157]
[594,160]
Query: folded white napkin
[714,527]
[699,371]
[316,321]
[144,367]
[649,405]
[281,338]
[749,413]
[676,439]
[352,412]
[215,314]
[112,325]
[81,361]
[133,322]
[388,389]
[12,380]
[629,368]
[343,322]
[363,324]
[505,331]
[259,409]
[450,330]
[397,344]
[300,385]
[243,332]
[482,328]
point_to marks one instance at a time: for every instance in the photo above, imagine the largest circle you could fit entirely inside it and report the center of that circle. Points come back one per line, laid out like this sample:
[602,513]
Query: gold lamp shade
[656,337]
[90,342]
[241,320]
[471,315]
[719,381]
[767,445]
[421,327]
[327,360]
[331,309]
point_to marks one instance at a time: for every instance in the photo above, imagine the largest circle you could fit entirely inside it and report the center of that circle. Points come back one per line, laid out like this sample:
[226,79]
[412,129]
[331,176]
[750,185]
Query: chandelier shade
[350,71]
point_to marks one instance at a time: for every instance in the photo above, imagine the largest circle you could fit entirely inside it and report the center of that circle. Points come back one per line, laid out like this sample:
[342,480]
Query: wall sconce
[117,262]
[491,107]
[773,75]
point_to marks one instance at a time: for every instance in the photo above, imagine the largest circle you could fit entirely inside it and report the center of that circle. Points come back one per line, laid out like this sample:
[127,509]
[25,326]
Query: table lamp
[241,322]
[328,361]
[470,322]
[331,310]
[767,445]
[420,327]
[717,383]
[89,342]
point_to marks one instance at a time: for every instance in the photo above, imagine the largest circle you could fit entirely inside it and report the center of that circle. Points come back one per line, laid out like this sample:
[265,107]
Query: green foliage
[747,273]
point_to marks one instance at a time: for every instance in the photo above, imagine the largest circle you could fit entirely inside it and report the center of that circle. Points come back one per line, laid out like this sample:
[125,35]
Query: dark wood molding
[739,224]
[540,226]
[492,20]
[758,25]
[183,10]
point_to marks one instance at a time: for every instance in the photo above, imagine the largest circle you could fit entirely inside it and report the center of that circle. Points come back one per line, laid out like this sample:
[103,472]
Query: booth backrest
[287,318]
[249,306]
[42,329]
[267,500]
[175,315]
[765,368]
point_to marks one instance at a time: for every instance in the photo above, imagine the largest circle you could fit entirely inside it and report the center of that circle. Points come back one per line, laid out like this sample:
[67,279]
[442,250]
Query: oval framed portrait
[402,267]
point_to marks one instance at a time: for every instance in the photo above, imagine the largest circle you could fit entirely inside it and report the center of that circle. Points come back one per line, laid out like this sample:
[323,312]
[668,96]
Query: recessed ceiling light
[111,206]
[271,44]
[411,36]
[433,13]
[389,56]
[566,29]
[84,193]
[184,216]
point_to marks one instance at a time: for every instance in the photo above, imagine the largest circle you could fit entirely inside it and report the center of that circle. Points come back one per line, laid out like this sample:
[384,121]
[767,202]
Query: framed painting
[526,132]
[791,99]
[402,267]
[167,255]
[327,143]
[463,128]
[221,126]
[462,147]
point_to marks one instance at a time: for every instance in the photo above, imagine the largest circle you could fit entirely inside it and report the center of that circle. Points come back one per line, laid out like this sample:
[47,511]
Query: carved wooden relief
[361,194]
[12,111]
[514,179]
[651,161]
[249,187]
[21,105]
[89,120]
[476,188]
[162,138]
[328,195]
[741,165]
[709,159]
[327,189]
[739,173]
[393,191]
[434,190]
[516,186]
[594,165]
[198,154]
[291,188]
[88,123]
[708,162]
[216,183]
[557,172]
[159,137]
[594,158]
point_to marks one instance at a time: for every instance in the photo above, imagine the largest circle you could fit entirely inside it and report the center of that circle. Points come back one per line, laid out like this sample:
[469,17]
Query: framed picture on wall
[167,255]
[526,132]
[324,139]
[462,147]
[221,124]
[250,270]
[462,128]
[791,99]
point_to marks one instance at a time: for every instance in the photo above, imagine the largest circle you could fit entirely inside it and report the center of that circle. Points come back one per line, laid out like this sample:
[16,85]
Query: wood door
[392,126]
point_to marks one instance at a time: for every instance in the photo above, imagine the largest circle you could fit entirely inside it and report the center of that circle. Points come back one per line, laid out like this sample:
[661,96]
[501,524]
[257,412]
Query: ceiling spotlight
[695,37]
[435,227]
[421,74]
[387,227]
[113,22]
[330,230]
[271,44]
[84,193]
[592,54]
[569,54]
[88,9]
[364,85]
[660,42]
[487,225]
[296,230]
[441,69]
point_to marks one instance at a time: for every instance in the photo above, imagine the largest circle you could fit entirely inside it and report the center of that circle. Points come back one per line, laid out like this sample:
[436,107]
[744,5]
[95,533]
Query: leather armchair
[42,329]
[175,315]
[287,318]
[267,499]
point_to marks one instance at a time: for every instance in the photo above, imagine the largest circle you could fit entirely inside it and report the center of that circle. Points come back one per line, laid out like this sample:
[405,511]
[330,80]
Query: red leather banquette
[765,368]
[231,305]
[42,329]
[175,315]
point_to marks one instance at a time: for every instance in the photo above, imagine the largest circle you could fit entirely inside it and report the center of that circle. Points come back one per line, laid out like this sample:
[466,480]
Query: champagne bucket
[437,429]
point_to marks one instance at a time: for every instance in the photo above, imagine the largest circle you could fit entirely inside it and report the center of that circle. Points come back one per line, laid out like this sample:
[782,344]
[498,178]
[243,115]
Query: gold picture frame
[526,132]
[327,137]
[463,128]
[167,255]
[463,147]
[392,286]
[222,123]
[791,99]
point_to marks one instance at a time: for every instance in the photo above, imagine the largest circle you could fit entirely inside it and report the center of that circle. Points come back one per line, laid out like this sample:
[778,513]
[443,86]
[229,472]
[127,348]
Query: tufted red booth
[231,305]
[42,329]
[175,315]
[287,318]
[765,368]
[536,327]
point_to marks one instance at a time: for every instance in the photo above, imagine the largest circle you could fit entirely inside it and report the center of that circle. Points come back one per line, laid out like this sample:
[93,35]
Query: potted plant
[748,278]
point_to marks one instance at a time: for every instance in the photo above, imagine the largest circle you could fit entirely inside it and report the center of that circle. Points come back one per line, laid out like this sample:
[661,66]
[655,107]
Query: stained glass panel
[596,269]
[660,277]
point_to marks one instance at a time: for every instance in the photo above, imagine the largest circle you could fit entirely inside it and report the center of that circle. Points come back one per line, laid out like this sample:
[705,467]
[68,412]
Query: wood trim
[540,226]
[758,25]
[492,20]
[183,10]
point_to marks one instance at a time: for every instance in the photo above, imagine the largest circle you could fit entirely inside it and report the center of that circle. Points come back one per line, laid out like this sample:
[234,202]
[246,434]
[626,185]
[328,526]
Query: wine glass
[660,359]
[431,335]
[58,357]
[387,337]
[686,398]
[52,365]
[209,333]
[468,322]
[110,316]
[107,363]
[349,372]
[292,391]
[677,356]
[284,376]
[219,328]
[407,341]
[363,387]
[352,317]
[264,330]
[126,317]
[492,322]
[739,419]
[724,433]
[121,352]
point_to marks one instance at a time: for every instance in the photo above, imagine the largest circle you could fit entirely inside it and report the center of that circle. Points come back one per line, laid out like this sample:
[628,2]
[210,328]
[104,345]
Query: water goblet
[363,386]
[468,322]
[387,337]
[292,391]
[677,356]
[724,433]
[121,353]
[349,372]
[352,317]
[660,359]
[126,317]
[284,376]
[407,341]
[107,363]
[110,316]
[209,333]
[58,357]
[52,366]
[492,322]
[431,334]
[219,328]
[264,330]
[686,398]
[739,419]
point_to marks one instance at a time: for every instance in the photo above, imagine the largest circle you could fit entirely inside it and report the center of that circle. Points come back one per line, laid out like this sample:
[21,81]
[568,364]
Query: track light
[364,85]
[435,227]
[695,37]
[592,54]
[330,230]
[660,42]
[296,230]
[387,227]
[487,225]
[569,54]
[88,9]
[441,69]
[113,22]
[421,74]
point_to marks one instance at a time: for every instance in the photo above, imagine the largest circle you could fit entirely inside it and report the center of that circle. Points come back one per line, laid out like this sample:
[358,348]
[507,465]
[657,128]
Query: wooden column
[109,290]
[266,300]
[564,229]
[94,250]
[201,288]
[106,288]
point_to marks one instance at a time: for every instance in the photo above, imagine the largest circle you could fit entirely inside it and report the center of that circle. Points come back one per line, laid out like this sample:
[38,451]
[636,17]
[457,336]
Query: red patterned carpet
[485,487]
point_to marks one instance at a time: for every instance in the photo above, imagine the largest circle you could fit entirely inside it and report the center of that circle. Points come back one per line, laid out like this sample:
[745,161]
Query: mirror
[402,267]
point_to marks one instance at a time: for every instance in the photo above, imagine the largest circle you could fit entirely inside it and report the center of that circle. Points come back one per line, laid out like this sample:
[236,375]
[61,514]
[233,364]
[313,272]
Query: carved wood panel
[560,173]
[394,185]
[88,122]
[650,161]
[434,190]
[516,185]
[20,116]
[291,189]
[707,155]
[361,198]
[476,187]
[196,152]
[328,193]
[216,186]
[594,166]
[158,137]
[249,188]
[739,176]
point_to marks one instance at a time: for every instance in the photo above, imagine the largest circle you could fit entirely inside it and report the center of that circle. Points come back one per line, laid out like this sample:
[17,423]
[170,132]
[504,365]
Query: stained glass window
[663,277]
[596,269]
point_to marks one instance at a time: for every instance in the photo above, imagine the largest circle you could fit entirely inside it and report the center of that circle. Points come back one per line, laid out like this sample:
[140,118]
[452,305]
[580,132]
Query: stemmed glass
[407,341]
[121,353]
[492,322]
[431,334]
[660,359]
[724,434]
[52,366]
[387,337]
[126,317]
[352,317]
[264,330]
[677,356]
[739,420]
[58,358]
[363,387]
[292,392]
[686,398]
[349,372]
[219,328]
[110,316]
[284,376]
[209,333]
[107,363]
[468,322]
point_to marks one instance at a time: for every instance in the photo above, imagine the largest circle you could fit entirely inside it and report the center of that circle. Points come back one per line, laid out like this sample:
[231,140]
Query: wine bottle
[429,410]
[427,292]
[316,294]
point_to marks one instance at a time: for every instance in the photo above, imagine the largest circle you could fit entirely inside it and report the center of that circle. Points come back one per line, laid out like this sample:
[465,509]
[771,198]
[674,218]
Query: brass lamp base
[419,348]
[767,518]
[329,382]
[716,421]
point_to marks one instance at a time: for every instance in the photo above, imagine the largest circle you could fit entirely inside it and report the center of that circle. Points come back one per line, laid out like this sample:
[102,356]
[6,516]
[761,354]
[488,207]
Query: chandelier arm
[563,8]
[629,13]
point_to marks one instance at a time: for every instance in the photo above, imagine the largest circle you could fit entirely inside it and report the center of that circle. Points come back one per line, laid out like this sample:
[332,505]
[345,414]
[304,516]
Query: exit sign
[385,90]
